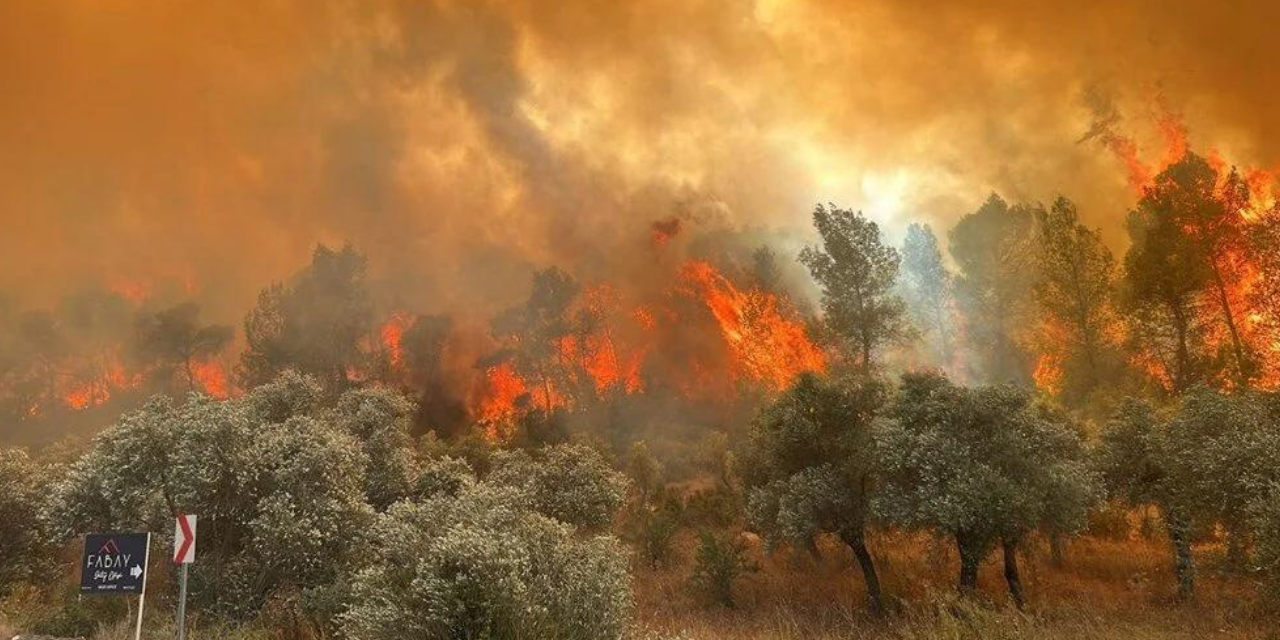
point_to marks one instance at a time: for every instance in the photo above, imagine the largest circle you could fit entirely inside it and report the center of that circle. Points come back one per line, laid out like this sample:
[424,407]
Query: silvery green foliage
[310,507]
[23,549]
[981,464]
[280,503]
[482,564]
[1220,454]
[443,476]
[1211,459]
[800,506]
[809,461]
[569,482]
[379,419]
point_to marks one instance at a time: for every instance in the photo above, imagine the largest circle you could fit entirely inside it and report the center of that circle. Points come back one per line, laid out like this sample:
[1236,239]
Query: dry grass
[1107,589]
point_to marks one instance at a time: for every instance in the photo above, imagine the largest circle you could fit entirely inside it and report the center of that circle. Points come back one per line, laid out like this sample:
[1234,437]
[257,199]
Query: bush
[24,551]
[657,531]
[287,499]
[719,562]
[570,483]
[484,565]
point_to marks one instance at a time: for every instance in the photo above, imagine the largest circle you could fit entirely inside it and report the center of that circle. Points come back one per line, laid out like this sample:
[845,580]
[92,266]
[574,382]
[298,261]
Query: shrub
[570,483]
[24,551]
[657,531]
[719,562]
[483,565]
[286,499]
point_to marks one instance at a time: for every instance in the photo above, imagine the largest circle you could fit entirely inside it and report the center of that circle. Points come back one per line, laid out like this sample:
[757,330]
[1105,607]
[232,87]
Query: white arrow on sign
[184,539]
[135,571]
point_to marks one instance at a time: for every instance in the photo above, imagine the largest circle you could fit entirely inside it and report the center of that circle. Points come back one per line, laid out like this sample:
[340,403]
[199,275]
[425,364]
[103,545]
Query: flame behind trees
[1079,348]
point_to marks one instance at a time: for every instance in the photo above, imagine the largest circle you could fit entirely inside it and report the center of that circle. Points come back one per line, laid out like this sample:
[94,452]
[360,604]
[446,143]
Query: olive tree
[809,465]
[985,466]
[379,419]
[1208,461]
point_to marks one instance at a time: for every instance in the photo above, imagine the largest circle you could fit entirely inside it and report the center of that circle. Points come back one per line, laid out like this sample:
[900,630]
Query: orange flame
[211,378]
[765,345]
[392,335]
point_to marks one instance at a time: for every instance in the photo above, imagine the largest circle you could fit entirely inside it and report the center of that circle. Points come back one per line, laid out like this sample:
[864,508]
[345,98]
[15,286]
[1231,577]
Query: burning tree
[314,324]
[172,342]
[1075,292]
[1187,273]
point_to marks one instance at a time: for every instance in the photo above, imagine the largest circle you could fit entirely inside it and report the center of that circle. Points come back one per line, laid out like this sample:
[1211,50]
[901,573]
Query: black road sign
[114,562]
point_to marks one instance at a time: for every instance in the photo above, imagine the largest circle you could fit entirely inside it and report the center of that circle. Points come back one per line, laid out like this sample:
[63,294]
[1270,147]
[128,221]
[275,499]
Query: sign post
[184,553]
[116,563]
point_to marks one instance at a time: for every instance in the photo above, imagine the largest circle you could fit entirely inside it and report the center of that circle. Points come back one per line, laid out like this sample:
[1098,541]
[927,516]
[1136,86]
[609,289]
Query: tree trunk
[1183,562]
[1011,572]
[1237,347]
[1057,549]
[970,558]
[1237,549]
[869,576]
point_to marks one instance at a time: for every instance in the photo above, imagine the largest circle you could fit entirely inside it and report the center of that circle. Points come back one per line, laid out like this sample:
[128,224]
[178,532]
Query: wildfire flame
[766,346]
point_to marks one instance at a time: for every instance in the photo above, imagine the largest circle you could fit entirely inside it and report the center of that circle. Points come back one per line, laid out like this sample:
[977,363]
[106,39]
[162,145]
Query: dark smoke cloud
[207,146]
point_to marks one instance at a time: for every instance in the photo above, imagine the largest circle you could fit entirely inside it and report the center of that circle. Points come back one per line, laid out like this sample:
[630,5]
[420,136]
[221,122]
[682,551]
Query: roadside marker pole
[182,602]
[142,595]
[184,553]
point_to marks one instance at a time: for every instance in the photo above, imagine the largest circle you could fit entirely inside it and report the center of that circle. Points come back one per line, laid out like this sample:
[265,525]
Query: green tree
[994,248]
[1208,462]
[378,419]
[172,341]
[984,466]
[314,324]
[927,289]
[809,466]
[856,272]
[1076,291]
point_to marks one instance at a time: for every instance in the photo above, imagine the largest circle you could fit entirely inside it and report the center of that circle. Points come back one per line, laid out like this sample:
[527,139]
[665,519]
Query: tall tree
[313,324]
[1076,291]
[1208,214]
[533,333]
[927,289]
[994,248]
[439,408]
[856,272]
[1163,278]
[173,341]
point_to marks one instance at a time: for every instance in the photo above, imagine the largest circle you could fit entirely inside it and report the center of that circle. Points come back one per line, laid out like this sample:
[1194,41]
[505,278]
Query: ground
[1106,589]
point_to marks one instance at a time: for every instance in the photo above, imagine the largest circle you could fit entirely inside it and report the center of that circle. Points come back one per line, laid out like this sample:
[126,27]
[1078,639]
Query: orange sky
[203,148]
